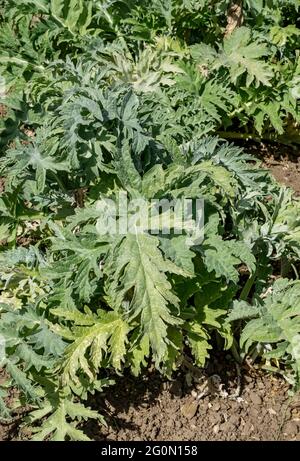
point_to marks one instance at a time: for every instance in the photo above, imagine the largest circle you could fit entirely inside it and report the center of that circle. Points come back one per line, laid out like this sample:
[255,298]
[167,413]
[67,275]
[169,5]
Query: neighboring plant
[242,84]
[274,330]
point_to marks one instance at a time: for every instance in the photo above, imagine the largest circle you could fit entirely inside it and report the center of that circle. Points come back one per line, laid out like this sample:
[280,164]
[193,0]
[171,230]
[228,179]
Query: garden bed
[151,408]
[283,161]
[156,107]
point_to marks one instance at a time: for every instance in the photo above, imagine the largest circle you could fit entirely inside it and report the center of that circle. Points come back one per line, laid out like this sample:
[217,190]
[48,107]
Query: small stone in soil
[216,429]
[256,399]
[291,428]
[189,409]
[178,424]
[170,423]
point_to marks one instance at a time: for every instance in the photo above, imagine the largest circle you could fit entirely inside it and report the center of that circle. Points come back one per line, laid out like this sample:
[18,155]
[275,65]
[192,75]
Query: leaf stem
[234,350]
[247,287]
[59,182]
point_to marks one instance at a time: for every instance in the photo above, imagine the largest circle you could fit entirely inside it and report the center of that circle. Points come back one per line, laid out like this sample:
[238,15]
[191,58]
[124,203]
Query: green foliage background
[104,97]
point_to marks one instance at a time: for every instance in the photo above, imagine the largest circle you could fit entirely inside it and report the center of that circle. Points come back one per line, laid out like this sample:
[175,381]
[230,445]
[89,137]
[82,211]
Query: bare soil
[286,171]
[152,409]
[3,110]
[283,161]
[10,430]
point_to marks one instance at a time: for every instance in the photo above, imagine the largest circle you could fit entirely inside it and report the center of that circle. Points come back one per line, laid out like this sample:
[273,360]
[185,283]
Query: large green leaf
[138,284]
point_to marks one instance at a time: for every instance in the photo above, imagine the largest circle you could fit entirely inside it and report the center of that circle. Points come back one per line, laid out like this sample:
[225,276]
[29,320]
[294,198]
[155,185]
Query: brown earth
[9,430]
[283,161]
[152,409]
[286,171]
[3,110]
